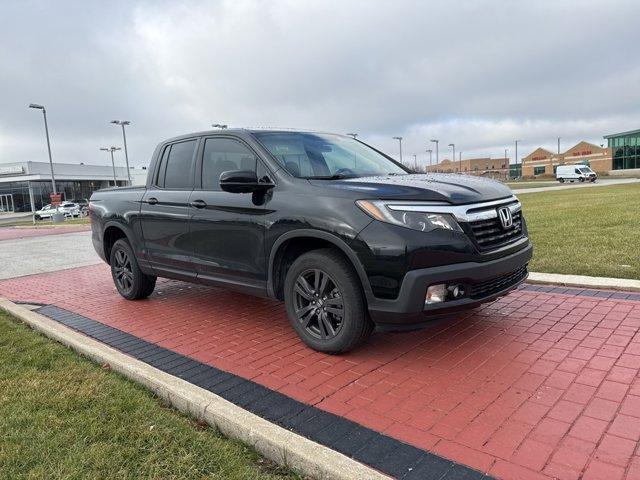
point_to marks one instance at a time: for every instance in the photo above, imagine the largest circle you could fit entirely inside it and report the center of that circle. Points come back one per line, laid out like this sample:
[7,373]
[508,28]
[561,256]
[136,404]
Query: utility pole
[124,139]
[453,146]
[437,157]
[400,142]
[46,129]
[559,145]
[113,163]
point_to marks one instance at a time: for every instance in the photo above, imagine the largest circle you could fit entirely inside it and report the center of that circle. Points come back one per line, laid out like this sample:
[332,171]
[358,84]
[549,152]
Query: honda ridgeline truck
[345,235]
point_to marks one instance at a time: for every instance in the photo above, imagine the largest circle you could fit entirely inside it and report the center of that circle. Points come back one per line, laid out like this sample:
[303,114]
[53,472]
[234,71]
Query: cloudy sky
[476,73]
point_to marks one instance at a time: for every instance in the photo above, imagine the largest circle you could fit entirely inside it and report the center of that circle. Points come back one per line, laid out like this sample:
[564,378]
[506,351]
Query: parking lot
[542,383]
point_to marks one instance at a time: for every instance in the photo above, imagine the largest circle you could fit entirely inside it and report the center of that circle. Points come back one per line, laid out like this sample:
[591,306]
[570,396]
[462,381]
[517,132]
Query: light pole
[124,138]
[429,151]
[219,125]
[460,160]
[437,157]
[517,155]
[46,129]
[559,145]
[453,146]
[354,135]
[415,162]
[113,163]
[400,142]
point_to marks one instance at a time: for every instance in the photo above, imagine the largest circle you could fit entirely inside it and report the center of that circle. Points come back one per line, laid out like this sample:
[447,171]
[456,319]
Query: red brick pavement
[9,233]
[534,385]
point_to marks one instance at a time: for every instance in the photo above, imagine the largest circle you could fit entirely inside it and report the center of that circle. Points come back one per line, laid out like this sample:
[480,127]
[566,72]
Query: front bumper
[489,280]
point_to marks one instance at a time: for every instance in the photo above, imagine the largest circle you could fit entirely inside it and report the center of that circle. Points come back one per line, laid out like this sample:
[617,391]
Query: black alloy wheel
[123,273]
[319,306]
[131,282]
[325,301]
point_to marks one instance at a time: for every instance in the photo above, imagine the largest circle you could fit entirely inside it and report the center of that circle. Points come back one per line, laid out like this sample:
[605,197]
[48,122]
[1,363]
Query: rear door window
[176,166]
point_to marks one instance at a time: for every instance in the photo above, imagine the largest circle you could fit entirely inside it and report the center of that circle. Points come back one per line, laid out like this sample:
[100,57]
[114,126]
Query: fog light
[456,291]
[436,294]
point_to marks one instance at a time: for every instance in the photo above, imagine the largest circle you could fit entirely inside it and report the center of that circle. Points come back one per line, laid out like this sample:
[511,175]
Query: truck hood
[441,187]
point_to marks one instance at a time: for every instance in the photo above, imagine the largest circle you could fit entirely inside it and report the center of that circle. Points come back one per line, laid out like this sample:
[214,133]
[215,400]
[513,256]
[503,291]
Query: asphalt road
[561,186]
[47,253]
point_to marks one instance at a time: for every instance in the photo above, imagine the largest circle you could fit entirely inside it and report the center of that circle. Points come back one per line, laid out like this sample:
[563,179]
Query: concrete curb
[272,441]
[584,281]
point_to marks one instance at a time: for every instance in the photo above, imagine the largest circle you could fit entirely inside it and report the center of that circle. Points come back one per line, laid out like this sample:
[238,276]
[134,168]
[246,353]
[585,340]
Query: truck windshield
[585,170]
[326,156]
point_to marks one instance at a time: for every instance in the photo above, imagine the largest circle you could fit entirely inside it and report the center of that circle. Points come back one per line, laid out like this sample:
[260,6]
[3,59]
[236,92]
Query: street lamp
[113,163]
[437,157]
[124,138]
[415,162]
[400,142]
[354,135]
[46,130]
[517,153]
[460,161]
[219,125]
[559,145]
[453,146]
[429,151]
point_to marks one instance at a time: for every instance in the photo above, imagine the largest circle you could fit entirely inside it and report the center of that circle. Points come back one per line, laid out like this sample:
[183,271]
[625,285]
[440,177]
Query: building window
[538,170]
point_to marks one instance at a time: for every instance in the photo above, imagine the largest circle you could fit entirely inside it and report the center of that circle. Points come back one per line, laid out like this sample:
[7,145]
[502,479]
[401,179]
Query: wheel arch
[317,239]
[114,231]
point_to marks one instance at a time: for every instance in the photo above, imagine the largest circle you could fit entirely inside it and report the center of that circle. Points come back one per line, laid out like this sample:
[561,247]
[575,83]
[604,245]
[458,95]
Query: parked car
[68,209]
[571,173]
[83,205]
[345,235]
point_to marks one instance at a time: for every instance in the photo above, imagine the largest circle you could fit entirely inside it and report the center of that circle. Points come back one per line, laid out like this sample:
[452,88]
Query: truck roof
[245,131]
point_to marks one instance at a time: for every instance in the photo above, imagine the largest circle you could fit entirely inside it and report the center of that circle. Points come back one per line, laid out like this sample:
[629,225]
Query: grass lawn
[518,185]
[61,416]
[585,231]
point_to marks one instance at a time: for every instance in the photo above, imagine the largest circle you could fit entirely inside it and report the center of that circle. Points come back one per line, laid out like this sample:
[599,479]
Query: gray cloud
[478,74]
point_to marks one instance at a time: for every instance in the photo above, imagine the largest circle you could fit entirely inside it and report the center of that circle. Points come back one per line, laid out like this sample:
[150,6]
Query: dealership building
[621,155]
[27,185]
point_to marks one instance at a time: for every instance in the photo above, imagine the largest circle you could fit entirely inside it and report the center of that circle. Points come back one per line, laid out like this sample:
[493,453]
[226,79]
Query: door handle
[152,201]
[198,203]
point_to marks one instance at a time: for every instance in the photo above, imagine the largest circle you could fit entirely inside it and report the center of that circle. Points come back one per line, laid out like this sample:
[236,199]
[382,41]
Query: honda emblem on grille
[504,215]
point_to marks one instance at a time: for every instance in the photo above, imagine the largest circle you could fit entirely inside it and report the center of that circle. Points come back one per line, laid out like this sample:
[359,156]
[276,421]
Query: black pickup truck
[346,236]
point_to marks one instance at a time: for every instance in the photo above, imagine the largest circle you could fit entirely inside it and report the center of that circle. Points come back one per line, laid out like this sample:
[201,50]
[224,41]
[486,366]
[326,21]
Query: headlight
[422,221]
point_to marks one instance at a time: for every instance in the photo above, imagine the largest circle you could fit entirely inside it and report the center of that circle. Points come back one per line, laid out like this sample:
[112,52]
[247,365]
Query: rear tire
[561,180]
[325,303]
[130,281]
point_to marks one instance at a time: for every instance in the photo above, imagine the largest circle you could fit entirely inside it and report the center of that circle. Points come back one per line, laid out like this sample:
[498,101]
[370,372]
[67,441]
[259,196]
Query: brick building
[544,162]
[486,167]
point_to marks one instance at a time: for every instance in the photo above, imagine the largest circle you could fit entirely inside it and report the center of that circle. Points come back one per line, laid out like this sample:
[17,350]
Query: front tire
[325,303]
[561,180]
[130,281]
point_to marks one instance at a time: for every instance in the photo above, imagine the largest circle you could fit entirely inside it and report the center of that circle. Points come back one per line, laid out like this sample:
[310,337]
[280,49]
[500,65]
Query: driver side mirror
[241,181]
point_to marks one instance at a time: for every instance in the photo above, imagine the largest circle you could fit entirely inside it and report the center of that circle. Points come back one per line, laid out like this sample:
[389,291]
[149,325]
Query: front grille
[495,285]
[490,234]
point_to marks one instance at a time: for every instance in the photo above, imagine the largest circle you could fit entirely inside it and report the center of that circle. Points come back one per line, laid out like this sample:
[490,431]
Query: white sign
[13,169]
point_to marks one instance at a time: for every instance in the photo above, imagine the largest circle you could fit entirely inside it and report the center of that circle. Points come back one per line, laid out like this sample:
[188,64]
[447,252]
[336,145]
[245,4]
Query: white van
[571,173]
